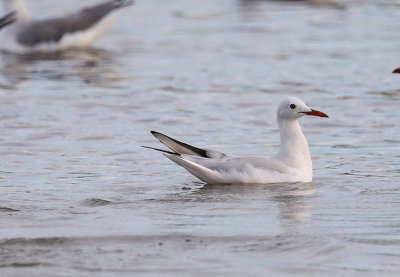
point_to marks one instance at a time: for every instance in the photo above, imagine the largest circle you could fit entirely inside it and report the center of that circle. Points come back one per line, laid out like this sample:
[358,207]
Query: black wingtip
[155,134]
[397,70]
[10,14]
[160,137]
[8,19]
[123,3]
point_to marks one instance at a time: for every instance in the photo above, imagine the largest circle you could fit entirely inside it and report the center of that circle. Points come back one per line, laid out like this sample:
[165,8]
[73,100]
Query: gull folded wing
[184,148]
[52,30]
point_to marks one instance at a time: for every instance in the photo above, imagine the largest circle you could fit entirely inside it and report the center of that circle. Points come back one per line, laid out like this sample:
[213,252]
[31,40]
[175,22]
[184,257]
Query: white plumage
[292,163]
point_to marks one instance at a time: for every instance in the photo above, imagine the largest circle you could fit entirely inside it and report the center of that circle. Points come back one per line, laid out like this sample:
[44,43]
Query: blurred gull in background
[79,30]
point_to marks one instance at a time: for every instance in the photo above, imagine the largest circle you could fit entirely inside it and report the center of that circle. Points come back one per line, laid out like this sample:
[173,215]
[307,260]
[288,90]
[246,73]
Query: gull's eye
[292,106]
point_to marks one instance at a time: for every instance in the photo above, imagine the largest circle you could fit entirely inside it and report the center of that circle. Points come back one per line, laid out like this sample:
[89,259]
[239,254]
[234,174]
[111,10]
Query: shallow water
[80,197]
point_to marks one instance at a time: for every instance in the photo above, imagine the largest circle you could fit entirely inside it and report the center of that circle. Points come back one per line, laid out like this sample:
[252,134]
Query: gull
[292,163]
[78,30]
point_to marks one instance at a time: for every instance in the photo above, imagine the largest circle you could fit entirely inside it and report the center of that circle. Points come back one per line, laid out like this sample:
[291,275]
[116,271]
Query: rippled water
[80,197]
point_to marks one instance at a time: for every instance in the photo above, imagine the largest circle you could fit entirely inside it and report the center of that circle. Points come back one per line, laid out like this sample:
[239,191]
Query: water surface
[80,197]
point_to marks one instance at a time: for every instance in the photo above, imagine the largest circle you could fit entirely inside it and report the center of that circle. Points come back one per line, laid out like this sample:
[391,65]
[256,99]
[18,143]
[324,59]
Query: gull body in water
[292,163]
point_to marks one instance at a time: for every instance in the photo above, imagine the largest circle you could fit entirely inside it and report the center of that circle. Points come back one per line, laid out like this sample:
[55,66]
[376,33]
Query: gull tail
[182,153]
[8,19]
[203,173]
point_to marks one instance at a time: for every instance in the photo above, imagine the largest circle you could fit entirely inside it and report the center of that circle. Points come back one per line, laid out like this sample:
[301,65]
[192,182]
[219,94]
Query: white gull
[20,33]
[292,163]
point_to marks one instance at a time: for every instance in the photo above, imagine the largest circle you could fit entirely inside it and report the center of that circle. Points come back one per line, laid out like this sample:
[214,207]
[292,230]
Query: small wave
[345,146]
[21,264]
[35,241]
[95,202]
[6,209]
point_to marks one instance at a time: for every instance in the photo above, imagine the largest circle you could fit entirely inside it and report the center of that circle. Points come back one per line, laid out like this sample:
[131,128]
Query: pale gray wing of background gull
[8,19]
[52,30]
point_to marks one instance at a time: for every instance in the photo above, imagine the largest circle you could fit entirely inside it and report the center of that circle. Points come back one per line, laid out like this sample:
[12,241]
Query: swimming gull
[78,30]
[292,163]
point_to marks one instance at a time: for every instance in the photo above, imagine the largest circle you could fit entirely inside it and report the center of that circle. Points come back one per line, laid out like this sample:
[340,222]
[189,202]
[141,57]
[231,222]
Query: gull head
[293,108]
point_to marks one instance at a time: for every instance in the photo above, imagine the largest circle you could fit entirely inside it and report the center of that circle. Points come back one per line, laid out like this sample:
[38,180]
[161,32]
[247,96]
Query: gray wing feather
[231,169]
[238,163]
[52,30]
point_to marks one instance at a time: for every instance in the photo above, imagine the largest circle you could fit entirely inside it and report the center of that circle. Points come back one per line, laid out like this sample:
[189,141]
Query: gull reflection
[255,7]
[293,200]
[92,66]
